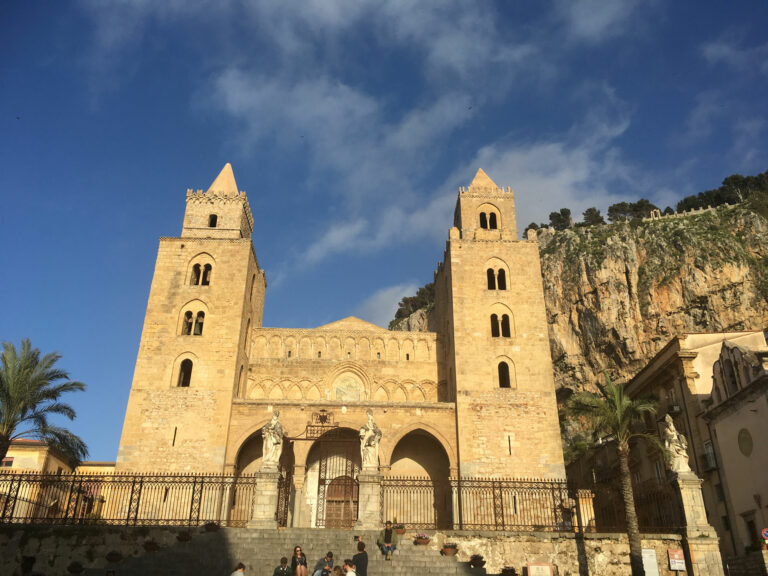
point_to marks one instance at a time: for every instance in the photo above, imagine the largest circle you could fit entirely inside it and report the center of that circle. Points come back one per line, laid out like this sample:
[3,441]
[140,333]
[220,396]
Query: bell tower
[490,312]
[207,293]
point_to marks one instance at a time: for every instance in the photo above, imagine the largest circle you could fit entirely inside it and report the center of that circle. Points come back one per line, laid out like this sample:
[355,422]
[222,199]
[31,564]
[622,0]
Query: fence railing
[416,502]
[523,505]
[126,499]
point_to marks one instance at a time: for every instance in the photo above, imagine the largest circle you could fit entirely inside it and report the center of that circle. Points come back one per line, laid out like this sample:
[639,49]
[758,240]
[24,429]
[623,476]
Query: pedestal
[700,541]
[369,500]
[265,500]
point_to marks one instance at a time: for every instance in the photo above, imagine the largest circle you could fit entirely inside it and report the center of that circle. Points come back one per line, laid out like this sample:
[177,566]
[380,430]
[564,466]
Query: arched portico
[330,490]
[417,489]
[389,443]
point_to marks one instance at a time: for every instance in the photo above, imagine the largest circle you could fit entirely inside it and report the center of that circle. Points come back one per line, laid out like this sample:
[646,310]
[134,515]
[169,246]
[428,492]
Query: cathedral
[472,397]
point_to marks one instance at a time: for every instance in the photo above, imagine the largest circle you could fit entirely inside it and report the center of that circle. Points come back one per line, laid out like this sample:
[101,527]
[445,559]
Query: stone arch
[418,453]
[350,349]
[393,350]
[399,394]
[275,346]
[334,351]
[321,348]
[381,395]
[388,443]
[305,347]
[294,393]
[363,349]
[512,372]
[313,393]
[422,350]
[193,307]
[418,394]
[200,260]
[407,350]
[197,370]
[379,350]
[276,392]
[259,347]
[500,310]
[344,378]
[289,345]
[489,209]
[257,390]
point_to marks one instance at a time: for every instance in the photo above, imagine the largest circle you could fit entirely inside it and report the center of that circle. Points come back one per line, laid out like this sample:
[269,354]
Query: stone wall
[86,550]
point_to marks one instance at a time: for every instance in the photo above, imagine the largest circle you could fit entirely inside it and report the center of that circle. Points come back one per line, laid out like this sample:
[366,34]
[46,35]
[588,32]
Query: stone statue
[676,446]
[370,436]
[272,437]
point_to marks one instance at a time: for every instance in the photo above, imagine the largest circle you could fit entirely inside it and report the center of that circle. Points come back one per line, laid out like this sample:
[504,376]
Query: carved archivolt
[344,387]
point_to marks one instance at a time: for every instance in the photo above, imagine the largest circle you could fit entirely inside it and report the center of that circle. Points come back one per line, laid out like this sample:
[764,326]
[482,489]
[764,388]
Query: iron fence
[126,499]
[657,506]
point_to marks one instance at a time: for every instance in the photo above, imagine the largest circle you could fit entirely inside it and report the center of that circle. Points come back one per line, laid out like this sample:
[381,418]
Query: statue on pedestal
[676,447]
[272,438]
[370,436]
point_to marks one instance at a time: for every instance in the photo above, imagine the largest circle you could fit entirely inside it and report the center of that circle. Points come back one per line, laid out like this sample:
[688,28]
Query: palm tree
[30,391]
[612,413]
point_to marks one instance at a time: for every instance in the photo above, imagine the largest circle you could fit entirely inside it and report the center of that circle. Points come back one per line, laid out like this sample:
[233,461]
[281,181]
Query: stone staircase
[216,553]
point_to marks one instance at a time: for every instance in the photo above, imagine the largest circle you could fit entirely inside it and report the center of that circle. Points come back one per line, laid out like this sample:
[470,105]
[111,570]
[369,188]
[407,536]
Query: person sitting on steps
[349,568]
[298,562]
[387,540]
[325,563]
[283,569]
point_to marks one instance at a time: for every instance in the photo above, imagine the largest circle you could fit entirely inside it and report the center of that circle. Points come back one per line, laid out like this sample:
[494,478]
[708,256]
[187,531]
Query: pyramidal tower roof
[482,180]
[225,182]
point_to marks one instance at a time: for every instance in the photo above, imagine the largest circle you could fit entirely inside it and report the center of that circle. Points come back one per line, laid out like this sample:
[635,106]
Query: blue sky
[350,124]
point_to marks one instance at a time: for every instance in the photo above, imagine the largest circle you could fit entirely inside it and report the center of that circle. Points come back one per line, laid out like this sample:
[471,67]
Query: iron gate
[337,489]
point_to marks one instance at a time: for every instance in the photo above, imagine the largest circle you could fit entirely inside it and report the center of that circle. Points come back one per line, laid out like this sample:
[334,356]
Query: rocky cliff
[616,294]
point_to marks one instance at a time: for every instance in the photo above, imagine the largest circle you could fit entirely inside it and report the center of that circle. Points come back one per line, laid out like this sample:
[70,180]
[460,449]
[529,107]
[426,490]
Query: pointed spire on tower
[225,182]
[482,180]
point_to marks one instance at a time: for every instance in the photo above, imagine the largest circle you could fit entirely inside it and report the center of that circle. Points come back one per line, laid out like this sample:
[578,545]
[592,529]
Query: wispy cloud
[727,51]
[380,307]
[595,21]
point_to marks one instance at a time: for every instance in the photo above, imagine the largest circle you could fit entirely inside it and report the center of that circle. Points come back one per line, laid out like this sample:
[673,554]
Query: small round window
[745,442]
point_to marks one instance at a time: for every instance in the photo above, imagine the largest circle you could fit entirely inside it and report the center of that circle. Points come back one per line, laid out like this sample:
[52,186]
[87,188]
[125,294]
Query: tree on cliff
[613,414]
[31,388]
[425,297]
[592,217]
[560,220]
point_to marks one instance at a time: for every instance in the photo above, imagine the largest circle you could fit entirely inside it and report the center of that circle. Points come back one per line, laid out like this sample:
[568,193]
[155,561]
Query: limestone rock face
[416,322]
[616,294]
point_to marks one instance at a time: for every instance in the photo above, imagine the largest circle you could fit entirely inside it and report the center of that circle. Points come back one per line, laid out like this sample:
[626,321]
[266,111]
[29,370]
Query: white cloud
[728,52]
[380,307]
[594,21]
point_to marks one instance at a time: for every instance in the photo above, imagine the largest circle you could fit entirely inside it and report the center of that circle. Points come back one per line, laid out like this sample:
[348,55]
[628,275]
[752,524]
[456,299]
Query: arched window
[212,221]
[505,332]
[199,323]
[494,326]
[504,375]
[185,373]
[247,334]
[492,221]
[483,220]
[491,279]
[253,284]
[186,327]
[502,283]
[195,280]
[206,274]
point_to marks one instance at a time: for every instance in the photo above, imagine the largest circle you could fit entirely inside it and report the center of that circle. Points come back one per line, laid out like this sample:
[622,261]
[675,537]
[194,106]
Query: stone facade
[474,395]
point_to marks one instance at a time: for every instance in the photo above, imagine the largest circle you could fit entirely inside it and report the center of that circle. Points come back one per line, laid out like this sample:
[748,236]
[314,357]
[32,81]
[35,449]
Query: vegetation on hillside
[711,232]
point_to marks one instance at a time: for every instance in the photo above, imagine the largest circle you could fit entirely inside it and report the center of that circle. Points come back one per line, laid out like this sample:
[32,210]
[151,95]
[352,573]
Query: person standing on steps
[298,562]
[283,569]
[349,568]
[387,540]
[325,563]
[239,570]
[361,560]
